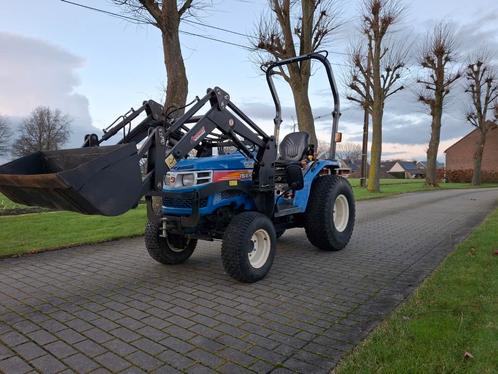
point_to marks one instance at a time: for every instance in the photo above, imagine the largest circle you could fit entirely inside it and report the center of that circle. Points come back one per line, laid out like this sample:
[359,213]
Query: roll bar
[322,57]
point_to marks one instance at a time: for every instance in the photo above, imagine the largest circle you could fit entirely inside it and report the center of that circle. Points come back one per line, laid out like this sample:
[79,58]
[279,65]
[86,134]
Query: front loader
[204,177]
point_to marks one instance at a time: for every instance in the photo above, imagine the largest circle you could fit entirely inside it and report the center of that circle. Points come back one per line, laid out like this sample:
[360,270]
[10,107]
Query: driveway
[110,308]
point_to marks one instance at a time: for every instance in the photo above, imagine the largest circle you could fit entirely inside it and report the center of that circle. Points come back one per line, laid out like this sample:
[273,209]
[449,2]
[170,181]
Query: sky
[95,67]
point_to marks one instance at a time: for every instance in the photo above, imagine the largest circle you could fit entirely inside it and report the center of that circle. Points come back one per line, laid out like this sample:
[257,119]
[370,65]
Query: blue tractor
[215,176]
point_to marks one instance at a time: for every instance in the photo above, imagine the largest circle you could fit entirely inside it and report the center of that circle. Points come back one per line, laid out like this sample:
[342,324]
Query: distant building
[460,156]
[406,170]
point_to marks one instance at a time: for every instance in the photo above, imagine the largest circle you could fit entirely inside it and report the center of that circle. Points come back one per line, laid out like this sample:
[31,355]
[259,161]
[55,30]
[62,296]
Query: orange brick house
[460,156]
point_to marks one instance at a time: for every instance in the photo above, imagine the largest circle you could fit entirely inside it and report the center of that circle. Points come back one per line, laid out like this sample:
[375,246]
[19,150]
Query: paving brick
[13,338]
[52,325]
[143,360]
[175,359]
[236,356]
[119,347]
[179,332]
[112,362]
[152,333]
[6,352]
[70,336]
[200,369]
[177,344]
[60,349]
[166,369]
[98,335]
[89,348]
[48,364]
[205,358]
[148,346]
[25,326]
[14,365]
[125,334]
[42,337]
[80,363]
[230,368]
[104,324]
[206,344]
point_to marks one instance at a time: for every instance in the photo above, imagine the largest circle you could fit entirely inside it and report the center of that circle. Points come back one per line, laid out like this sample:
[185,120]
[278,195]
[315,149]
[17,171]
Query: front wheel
[249,246]
[175,249]
[330,215]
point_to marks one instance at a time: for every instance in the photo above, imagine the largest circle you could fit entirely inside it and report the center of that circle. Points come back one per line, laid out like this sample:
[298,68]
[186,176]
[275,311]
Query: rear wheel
[175,249]
[249,246]
[330,215]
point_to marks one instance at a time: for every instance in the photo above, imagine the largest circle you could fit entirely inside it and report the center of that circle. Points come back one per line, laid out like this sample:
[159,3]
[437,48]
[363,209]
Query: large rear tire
[249,246]
[330,215]
[175,249]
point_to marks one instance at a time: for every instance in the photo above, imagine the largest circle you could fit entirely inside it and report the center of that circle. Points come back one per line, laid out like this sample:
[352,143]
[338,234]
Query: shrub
[465,176]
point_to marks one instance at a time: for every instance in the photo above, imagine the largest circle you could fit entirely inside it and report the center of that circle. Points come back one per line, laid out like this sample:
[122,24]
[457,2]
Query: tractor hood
[232,161]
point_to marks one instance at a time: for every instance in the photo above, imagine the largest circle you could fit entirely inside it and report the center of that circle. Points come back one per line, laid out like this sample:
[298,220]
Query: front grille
[227,194]
[174,202]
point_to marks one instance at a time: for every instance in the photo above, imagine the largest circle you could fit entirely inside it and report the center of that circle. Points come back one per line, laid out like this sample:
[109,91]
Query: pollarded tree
[166,15]
[377,65]
[437,58]
[5,135]
[295,28]
[482,86]
[44,129]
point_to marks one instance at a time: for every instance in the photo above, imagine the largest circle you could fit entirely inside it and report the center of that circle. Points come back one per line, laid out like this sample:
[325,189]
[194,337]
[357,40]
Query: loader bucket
[93,180]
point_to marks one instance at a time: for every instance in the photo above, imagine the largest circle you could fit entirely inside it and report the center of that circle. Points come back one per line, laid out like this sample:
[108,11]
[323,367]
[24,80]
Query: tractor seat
[293,147]
[288,168]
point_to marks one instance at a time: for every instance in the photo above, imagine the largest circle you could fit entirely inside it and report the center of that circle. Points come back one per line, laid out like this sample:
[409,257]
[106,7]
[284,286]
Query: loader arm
[107,179]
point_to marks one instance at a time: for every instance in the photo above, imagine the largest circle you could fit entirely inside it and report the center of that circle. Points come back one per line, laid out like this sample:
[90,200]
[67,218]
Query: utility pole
[364,151]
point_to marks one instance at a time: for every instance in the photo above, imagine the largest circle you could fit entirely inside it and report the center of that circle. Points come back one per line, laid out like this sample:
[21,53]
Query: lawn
[390,187]
[450,325]
[38,231]
[33,232]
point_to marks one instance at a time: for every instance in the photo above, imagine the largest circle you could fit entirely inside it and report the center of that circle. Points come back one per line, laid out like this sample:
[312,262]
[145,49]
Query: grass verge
[454,311]
[41,231]
[390,187]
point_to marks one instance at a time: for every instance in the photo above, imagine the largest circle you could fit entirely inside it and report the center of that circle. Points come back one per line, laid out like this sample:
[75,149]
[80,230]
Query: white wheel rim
[176,249]
[341,213]
[261,248]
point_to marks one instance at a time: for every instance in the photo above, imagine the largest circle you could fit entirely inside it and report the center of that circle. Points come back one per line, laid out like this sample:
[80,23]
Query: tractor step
[92,180]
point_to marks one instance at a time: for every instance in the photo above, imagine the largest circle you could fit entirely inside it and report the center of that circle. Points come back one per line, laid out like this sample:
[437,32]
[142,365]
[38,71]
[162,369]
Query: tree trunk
[176,77]
[376,149]
[476,177]
[431,167]
[303,111]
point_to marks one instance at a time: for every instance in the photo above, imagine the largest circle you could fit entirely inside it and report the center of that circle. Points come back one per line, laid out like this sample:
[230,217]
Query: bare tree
[376,71]
[436,58]
[349,151]
[482,86]
[295,28]
[166,15]
[5,135]
[44,130]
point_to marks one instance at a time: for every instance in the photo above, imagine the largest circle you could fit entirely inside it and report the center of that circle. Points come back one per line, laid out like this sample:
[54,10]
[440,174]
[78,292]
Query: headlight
[188,179]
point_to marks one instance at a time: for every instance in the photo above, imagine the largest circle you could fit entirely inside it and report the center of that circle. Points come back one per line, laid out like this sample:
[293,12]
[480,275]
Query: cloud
[33,73]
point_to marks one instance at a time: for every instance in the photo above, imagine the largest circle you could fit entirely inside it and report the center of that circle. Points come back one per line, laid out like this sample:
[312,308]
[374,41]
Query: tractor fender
[310,175]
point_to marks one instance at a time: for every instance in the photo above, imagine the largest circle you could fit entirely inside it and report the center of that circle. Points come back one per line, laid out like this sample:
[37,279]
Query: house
[460,156]
[385,166]
[406,170]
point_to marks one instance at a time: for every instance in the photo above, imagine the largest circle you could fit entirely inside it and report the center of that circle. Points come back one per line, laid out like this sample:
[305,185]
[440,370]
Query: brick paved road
[110,308]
